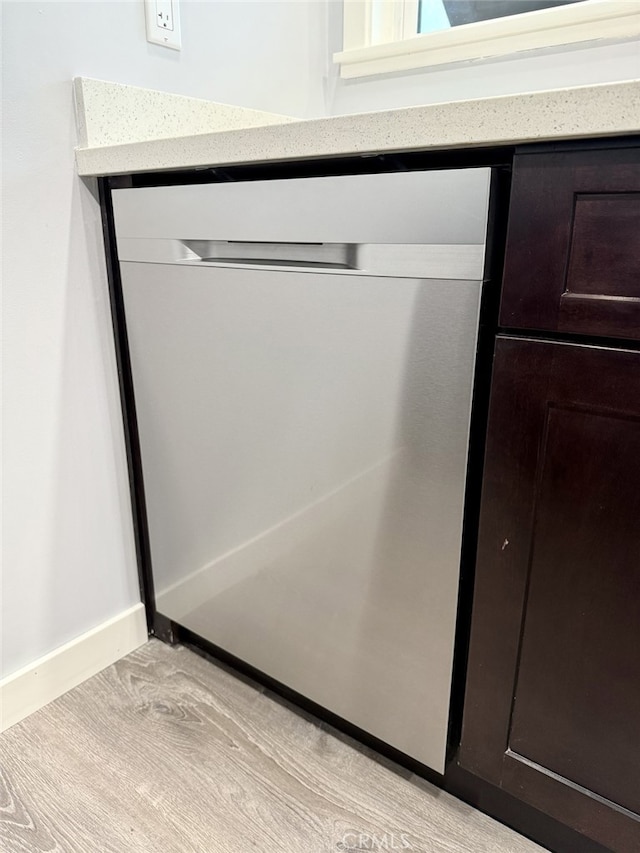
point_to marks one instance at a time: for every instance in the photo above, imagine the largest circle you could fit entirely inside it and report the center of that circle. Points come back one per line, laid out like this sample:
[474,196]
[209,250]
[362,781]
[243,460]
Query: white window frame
[380,35]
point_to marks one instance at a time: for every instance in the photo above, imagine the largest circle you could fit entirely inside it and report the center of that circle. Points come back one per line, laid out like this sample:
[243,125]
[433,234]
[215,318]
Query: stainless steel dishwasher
[302,354]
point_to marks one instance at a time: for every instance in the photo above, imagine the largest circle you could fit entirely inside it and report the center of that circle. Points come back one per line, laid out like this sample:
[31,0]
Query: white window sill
[600,19]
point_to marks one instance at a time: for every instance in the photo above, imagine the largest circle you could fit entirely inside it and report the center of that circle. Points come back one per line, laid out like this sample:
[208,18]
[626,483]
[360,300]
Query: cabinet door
[552,712]
[572,261]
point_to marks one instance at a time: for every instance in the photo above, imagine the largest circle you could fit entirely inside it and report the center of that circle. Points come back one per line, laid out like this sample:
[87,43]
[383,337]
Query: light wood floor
[166,753]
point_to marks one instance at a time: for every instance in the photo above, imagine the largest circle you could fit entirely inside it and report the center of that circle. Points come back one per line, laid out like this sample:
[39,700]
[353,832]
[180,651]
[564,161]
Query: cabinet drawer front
[573,247]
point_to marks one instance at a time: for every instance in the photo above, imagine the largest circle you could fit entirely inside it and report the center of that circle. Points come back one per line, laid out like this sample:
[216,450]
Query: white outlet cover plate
[163,23]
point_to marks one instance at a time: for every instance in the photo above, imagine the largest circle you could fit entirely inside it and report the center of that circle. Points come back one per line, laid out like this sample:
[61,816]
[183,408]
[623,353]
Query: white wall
[576,65]
[69,557]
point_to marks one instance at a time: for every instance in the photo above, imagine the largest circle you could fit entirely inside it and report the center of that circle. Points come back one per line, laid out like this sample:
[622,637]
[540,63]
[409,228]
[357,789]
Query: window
[434,15]
[396,35]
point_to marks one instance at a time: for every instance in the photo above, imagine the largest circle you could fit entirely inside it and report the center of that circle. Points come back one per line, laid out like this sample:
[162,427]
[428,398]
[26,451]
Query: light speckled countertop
[112,114]
[609,109]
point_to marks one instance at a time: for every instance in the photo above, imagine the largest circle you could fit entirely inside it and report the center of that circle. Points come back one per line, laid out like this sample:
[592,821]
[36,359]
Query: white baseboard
[42,681]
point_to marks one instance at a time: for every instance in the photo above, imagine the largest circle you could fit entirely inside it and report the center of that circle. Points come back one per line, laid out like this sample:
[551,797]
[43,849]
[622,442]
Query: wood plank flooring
[163,752]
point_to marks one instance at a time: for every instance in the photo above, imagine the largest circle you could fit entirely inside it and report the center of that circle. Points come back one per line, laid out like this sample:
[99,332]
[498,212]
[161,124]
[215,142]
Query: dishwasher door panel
[446,206]
[304,443]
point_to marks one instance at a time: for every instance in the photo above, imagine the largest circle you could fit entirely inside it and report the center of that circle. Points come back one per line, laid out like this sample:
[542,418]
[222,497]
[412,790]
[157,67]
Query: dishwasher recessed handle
[451,261]
[331,255]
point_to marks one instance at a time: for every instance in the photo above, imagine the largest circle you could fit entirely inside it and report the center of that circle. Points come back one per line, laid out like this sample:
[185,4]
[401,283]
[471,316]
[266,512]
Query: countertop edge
[603,110]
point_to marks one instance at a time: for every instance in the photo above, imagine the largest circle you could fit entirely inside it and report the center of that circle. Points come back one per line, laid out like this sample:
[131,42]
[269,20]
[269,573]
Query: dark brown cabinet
[553,692]
[574,235]
[552,705]
[552,711]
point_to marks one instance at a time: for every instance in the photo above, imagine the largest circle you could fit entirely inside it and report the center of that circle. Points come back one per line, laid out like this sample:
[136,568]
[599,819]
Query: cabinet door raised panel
[553,689]
[573,248]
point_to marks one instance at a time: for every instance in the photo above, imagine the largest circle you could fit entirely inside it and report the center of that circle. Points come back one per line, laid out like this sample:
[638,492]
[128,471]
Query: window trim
[379,39]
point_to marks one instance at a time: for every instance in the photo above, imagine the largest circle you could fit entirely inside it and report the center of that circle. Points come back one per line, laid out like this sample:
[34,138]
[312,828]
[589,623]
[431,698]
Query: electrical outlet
[163,22]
